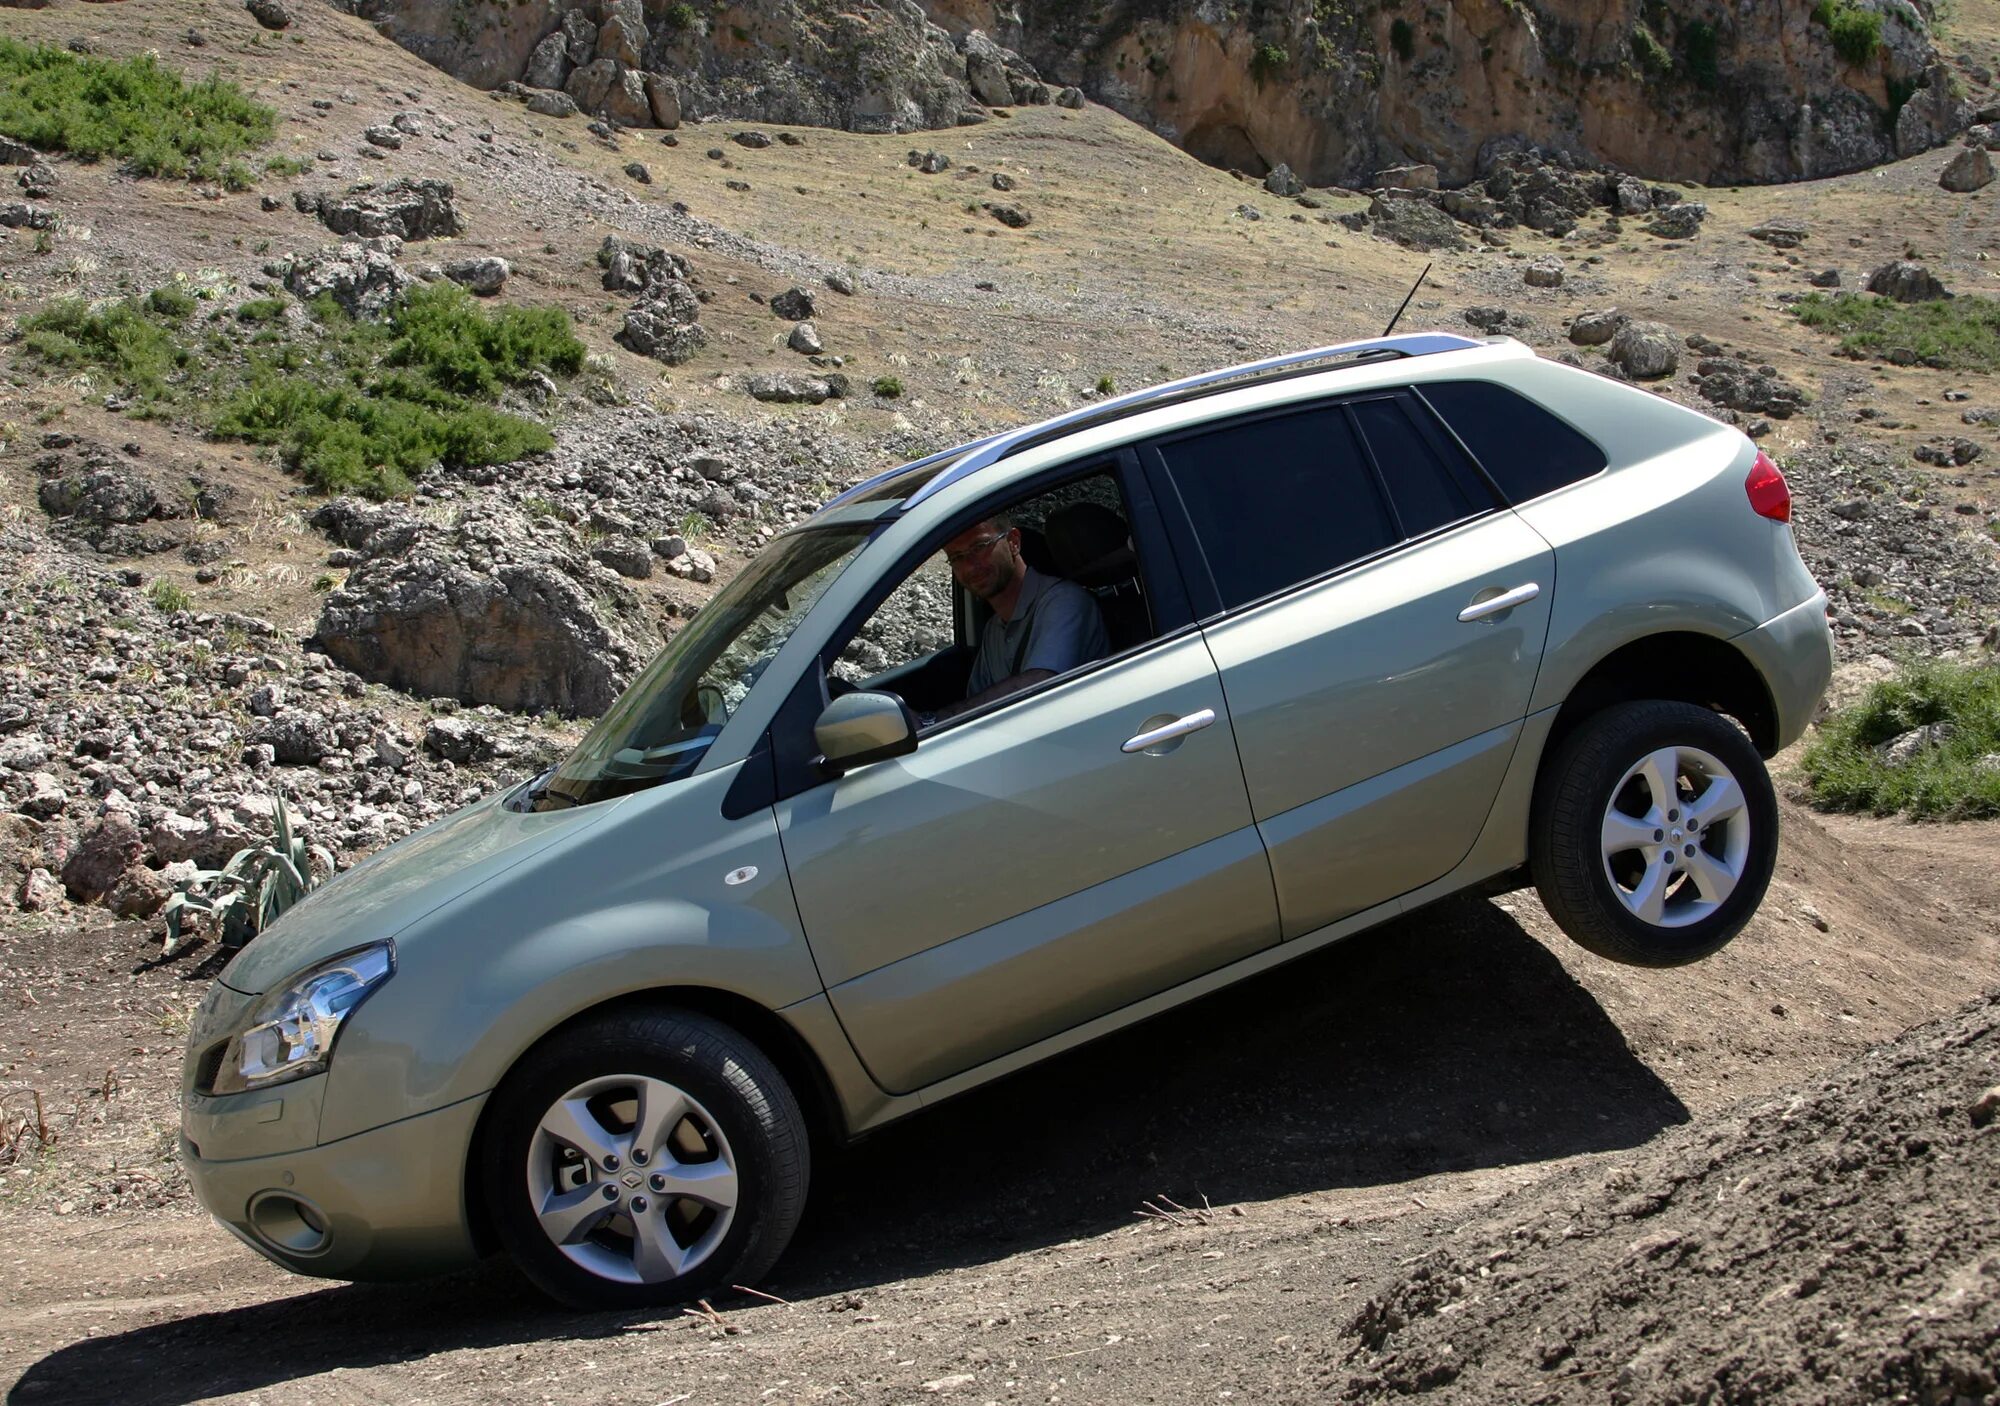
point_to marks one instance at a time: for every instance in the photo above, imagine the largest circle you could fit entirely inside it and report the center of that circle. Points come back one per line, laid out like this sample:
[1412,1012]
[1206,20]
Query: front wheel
[1655,832]
[644,1159]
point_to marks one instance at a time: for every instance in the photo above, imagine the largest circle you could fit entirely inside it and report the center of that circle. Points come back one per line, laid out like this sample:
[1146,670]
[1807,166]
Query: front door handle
[1505,601]
[1167,732]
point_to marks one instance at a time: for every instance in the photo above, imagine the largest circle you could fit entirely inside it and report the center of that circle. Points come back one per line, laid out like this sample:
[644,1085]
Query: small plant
[133,109]
[1649,53]
[1948,774]
[237,176]
[1856,33]
[681,18]
[168,596]
[538,507]
[260,310]
[1268,62]
[888,387]
[1105,385]
[694,528]
[286,166]
[1403,39]
[1698,50]
[1959,334]
[247,894]
[169,301]
[323,583]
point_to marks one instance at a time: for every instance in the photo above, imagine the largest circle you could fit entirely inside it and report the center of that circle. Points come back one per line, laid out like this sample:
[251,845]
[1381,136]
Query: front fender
[645,903]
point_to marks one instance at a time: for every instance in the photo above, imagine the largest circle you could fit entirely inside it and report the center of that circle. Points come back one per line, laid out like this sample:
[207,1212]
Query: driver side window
[912,624]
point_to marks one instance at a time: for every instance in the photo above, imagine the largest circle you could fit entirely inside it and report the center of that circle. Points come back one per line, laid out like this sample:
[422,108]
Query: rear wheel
[1655,833]
[645,1158]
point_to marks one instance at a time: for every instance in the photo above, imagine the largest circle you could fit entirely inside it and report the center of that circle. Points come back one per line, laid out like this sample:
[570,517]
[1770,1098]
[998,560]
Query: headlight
[290,1033]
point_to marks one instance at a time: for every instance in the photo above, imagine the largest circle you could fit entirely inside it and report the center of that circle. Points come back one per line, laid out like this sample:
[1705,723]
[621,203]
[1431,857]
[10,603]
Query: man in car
[1041,626]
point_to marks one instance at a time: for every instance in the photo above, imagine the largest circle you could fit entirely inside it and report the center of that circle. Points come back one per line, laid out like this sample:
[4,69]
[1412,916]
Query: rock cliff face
[1708,90]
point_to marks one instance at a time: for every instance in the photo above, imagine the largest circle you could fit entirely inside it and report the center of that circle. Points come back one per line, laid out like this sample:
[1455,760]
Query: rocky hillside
[1335,89]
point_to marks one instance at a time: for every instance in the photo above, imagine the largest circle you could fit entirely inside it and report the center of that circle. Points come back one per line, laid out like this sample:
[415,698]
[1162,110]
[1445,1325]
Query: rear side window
[1426,493]
[1278,501]
[1526,450]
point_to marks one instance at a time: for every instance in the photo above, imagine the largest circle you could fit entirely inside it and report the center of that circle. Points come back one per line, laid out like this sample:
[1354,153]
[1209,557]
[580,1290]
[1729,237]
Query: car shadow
[1448,1040]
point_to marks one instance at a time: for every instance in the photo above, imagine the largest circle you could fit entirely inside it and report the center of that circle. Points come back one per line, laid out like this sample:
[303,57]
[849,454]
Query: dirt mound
[1836,1243]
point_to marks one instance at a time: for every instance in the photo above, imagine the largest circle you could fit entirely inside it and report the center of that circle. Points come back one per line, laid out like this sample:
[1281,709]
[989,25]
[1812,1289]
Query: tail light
[1770,495]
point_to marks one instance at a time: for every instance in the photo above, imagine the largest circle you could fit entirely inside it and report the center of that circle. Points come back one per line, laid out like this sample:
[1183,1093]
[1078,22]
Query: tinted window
[1528,451]
[1424,491]
[1278,501]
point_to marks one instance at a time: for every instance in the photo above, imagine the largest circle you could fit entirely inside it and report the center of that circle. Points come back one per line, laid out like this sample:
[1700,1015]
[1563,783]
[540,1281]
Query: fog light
[289,1224]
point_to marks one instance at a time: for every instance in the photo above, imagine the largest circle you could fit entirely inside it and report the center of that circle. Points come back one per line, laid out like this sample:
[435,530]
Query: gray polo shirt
[1056,626]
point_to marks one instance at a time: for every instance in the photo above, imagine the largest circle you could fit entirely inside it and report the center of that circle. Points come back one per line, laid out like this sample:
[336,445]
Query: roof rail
[986,452]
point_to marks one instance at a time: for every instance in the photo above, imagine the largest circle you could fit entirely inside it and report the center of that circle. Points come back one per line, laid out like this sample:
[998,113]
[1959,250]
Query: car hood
[394,887]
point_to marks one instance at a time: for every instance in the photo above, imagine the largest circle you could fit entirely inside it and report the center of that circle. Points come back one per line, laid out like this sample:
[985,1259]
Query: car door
[1378,619]
[1032,865]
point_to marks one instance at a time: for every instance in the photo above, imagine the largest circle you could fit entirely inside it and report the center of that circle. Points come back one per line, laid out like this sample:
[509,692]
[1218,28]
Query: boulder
[805,340]
[1413,223]
[487,610]
[1419,177]
[795,304]
[19,214]
[1906,282]
[1681,220]
[551,103]
[45,799]
[485,275]
[139,893]
[622,38]
[549,65]
[787,390]
[1545,272]
[410,209]
[1281,181]
[664,98]
[39,892]
[1012,216]
[1781,234]
[627,556]
[270,13]
[297,736]
[1070,98]
[1970,170]
[100,859]
[664,327]
[364,279]
[1629,196]
[986,70]
[382,135]
[458,741]
[1645,351]
[1594,329]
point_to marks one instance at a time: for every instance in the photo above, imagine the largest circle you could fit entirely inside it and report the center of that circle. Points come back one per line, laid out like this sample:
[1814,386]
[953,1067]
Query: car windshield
[663,724]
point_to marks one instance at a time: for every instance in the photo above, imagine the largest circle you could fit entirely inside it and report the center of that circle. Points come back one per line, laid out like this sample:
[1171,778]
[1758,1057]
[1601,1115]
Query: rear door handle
[1179,727]
[1505,601]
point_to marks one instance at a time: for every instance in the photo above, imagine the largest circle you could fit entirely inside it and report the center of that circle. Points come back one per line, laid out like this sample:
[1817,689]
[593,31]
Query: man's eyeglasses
[977,549]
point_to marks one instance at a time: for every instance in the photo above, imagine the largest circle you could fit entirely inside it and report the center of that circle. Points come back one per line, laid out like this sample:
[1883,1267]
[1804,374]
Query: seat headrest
[1090,543]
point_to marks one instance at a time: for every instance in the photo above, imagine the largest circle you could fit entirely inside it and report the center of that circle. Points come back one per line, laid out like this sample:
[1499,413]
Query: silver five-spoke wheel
[632,1179]
[1675,837]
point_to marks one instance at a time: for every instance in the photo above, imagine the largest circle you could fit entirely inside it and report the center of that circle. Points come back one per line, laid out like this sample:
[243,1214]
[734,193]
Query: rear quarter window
[1523,448]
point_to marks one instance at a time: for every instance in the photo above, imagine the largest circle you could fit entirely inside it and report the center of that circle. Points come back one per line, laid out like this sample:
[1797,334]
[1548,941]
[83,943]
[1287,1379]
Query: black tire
[1572,798]
[738,1094]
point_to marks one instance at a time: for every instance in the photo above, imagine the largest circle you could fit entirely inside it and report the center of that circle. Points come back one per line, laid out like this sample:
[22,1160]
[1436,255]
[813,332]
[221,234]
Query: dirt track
[1343,1118]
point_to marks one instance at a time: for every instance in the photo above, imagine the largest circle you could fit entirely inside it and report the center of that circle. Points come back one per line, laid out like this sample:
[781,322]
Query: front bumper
[1794,653]
[385,1204]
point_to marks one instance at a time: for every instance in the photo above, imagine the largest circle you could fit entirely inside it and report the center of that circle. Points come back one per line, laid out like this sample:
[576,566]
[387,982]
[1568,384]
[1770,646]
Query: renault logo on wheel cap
[631,1180]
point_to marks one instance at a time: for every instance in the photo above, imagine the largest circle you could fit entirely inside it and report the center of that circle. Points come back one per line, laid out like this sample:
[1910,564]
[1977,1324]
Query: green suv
[1005,750]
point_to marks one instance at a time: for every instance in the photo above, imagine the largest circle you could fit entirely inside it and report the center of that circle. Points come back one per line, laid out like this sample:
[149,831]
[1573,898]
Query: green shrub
[1650,53]
[461,347]
[1959,334]
[1698,50]
[286,166]
[260,310]
[888,387]
[1105,385]
[1403,39]
[169,301]
[1268,62]
[168,596]
[133,109]
[1949,778]
[681,18]
[1856,33]
[141,354]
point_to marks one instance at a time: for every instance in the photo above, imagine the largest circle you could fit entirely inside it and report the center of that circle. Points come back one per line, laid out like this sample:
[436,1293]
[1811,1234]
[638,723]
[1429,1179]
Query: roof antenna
[1406,300]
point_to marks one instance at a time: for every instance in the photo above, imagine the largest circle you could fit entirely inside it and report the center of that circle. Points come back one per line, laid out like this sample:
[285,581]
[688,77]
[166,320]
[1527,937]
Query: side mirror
[858,728]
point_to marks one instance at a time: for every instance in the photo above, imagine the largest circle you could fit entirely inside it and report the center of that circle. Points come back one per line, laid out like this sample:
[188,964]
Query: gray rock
[1681,220]
[1281,181]
[1906,282]
[841,283]
[549,65]
[1545,272]
[458,741]
[296,736]
[1825,278]
[38,182]
[551,103]
[1904,748]
[364,279]
[1413,223]
[19,214]
[1781,234]
[39,892]
[1070,98]
[139,893]
[100,860]
[410,209]
[795,305]
[755,141]
[805,340]
[664,327]
[1970,170]
[1419,177]
[640,172]
[1755,390]
[1629,196]
[1594,329]
[1645,351]
[627,556]
[1012,216]
[270,13]
[930,163]
[787,390]
[663,97]
[484,275]
[45,799]
[383,136]
[1002,181]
